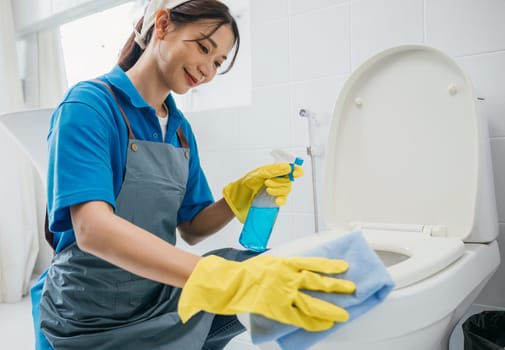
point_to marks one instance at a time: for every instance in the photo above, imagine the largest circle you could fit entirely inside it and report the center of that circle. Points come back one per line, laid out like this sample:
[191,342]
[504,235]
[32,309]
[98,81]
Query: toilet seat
[426,255]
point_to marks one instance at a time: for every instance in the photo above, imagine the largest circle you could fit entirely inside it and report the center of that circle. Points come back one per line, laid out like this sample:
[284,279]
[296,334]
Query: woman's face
[185,60]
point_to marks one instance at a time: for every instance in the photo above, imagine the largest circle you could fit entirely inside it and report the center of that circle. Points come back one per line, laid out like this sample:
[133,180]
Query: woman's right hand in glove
[269,286]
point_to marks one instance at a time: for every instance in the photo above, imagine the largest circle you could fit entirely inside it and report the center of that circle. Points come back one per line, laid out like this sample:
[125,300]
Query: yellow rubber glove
[240,193]
[269,286]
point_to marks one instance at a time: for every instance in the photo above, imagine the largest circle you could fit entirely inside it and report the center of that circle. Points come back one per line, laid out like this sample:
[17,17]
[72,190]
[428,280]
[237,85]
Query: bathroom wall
[302,52]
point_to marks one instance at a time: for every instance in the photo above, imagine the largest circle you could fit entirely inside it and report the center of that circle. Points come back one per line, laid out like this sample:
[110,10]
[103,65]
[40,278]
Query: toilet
[408,163]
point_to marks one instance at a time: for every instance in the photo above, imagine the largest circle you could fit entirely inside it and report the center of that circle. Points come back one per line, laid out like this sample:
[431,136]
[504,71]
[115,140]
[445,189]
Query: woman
[124,173]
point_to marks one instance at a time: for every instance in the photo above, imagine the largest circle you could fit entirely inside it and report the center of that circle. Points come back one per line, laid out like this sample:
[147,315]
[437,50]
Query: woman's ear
[163,24]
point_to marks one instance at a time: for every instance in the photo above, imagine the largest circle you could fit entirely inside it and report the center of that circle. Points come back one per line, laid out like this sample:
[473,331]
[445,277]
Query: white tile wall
[489,83]
[302,52]
[376,24]
[304,6]
[320,43]
[465,27]
[267,10]
[209,130]
[267,124]
[498,154]
[270,52]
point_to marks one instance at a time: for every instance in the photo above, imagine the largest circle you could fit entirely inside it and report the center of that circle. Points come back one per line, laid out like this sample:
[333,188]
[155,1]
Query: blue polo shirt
[88,141]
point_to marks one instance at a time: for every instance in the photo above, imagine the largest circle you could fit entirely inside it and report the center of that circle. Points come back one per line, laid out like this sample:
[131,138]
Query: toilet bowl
[408,164]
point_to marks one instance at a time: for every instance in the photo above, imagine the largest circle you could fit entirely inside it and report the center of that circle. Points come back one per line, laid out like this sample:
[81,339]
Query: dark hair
[186,13]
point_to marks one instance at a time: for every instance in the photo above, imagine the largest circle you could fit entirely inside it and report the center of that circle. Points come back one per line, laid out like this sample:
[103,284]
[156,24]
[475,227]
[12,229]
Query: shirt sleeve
[198,194]
[79,145]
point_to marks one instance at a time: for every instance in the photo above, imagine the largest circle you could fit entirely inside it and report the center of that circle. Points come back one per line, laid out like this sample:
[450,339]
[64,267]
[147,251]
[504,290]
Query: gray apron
[88,303]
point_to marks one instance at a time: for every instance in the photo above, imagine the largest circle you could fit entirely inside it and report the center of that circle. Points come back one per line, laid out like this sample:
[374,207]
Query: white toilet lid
[403,144]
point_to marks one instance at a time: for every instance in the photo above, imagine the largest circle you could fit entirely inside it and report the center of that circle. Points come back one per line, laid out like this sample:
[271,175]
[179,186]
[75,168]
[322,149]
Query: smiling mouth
[191,79]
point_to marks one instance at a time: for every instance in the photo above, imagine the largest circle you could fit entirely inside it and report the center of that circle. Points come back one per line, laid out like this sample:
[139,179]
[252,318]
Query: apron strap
[180,136]
[131,136]
[47,233]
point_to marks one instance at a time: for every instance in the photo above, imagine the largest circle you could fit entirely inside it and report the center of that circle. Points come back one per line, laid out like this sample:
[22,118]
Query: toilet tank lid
[403,144]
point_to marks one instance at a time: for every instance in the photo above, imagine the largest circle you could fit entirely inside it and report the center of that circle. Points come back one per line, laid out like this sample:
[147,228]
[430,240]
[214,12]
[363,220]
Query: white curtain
[18,232]
[11,93]
[52,75]
[22,189]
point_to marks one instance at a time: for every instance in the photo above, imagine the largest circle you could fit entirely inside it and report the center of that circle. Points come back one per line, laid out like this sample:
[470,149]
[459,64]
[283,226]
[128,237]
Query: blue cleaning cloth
[366,270]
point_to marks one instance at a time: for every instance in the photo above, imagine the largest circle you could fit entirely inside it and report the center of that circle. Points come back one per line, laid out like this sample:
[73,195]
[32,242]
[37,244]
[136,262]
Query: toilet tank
[407,146]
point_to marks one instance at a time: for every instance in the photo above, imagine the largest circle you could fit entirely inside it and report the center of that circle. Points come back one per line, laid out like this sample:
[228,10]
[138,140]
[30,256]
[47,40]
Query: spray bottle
[263,211]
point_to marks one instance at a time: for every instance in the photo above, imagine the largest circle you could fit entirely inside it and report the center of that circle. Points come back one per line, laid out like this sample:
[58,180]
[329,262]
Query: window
[91,46]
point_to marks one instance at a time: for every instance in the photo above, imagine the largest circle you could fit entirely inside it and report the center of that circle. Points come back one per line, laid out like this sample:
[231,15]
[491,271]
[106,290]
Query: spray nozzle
[281,155]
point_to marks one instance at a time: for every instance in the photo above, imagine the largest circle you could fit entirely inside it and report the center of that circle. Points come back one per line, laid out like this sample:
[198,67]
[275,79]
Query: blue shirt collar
[118,78]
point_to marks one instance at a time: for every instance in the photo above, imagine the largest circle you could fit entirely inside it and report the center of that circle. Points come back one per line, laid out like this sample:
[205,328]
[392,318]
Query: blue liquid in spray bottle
[263,212]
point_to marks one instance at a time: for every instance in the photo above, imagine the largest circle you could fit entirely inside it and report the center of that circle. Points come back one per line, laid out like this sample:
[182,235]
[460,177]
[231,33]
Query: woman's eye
[217,64]
[203,48]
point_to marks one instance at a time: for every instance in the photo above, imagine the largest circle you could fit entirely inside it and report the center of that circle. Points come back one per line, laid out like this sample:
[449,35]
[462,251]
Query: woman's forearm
[102,233]
[207,222]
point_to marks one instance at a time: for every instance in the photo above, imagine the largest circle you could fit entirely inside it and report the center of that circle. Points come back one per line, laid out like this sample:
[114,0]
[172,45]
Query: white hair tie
[150,16]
